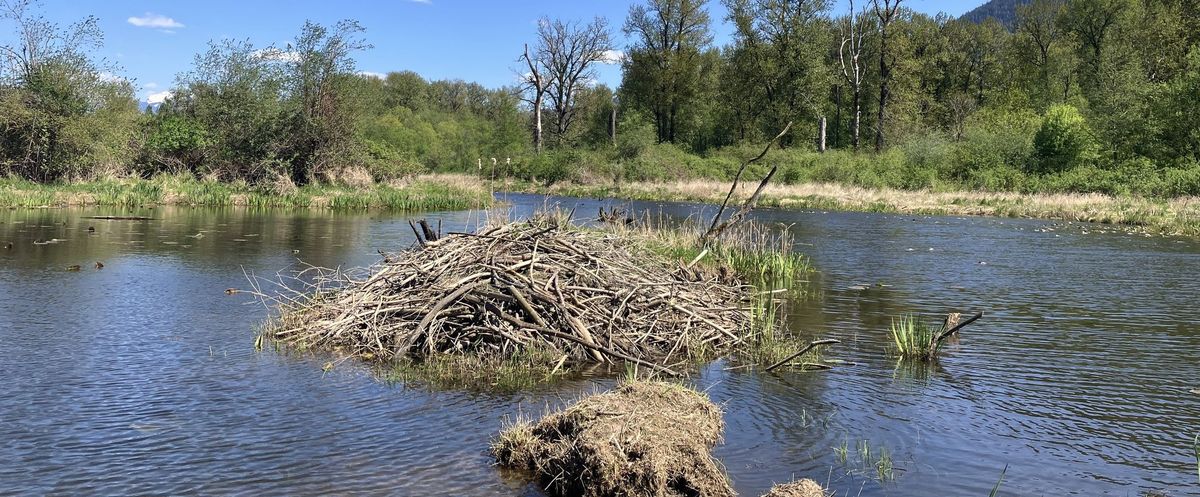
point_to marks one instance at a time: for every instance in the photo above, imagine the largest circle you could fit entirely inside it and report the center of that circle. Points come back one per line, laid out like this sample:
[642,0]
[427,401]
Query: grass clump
[914,338]
[799,488]
[519,371]
[641,438]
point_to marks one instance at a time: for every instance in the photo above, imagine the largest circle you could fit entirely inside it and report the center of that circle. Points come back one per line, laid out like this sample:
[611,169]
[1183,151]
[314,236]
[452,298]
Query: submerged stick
[810,346]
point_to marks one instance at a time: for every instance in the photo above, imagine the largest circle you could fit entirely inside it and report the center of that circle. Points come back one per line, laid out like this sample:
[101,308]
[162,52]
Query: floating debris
[74,267]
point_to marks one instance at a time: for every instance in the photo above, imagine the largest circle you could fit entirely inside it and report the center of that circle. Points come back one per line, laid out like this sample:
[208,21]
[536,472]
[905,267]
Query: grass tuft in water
[522,370]
[914,338]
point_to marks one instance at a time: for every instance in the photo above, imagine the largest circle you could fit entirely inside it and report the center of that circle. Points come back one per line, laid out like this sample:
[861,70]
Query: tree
[52,93]
[853,35]
[538,84]
[887,13]
[232,97]
[663,67]
[318,67]
[783,42]
[568,53]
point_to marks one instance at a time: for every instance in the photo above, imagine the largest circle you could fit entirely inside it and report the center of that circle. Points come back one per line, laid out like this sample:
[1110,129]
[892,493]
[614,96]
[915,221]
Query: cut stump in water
[646,439]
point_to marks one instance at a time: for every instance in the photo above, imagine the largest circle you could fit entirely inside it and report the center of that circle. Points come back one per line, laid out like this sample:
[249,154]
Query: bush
[1063,141]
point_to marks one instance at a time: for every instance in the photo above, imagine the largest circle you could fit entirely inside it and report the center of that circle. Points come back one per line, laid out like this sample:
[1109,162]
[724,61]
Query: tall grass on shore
[1180,215]
[428,192]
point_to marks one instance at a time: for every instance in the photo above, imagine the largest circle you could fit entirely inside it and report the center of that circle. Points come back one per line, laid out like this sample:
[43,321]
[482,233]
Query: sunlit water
[141,377]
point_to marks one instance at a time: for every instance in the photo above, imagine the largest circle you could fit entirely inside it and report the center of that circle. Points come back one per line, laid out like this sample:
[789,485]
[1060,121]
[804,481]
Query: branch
[716,229]
[810,346]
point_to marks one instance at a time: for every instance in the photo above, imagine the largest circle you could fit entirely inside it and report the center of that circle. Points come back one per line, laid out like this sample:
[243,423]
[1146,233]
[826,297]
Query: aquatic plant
[996,489]
[842,452]
[914,339]
[429,192]
[883,465]
[522,370]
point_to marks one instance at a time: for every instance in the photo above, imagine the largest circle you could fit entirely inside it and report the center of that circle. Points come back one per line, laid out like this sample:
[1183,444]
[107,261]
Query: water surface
[141,377]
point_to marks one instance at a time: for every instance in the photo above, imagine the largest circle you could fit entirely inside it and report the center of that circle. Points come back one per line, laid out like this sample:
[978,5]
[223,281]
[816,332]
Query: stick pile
[588,296]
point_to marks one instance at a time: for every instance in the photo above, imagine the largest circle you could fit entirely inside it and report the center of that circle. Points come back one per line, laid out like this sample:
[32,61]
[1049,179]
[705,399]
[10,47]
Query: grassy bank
[1174,216]
[427,192]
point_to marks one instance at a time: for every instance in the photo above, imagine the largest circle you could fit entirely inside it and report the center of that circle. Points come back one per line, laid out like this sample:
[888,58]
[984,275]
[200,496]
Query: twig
[810,346]
[713,228]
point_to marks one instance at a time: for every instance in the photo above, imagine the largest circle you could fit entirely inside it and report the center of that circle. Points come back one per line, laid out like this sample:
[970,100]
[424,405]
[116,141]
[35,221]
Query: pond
[141,377]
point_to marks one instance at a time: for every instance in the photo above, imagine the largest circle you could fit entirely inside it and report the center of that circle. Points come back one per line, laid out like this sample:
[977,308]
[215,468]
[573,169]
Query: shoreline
[421,193]
[1178,216]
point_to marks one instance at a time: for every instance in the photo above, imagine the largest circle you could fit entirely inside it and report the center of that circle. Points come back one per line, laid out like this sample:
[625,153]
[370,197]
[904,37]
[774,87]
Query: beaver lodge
[586,296]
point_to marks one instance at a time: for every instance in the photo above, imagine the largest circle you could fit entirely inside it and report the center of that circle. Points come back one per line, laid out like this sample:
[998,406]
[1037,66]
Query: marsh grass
[869,461]
[1196,453]
[522,370]
[429,192]
[1163,216]
[914,338]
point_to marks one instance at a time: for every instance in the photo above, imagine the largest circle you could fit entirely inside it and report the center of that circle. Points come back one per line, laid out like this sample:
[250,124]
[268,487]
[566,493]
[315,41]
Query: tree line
[1079,95]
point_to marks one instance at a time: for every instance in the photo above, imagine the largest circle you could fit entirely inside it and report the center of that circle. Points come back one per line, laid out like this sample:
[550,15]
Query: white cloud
[277,54]
[150,86]
[426,2]
[612,57]
[156,21]
[158,98]
[109,77]
[369,74]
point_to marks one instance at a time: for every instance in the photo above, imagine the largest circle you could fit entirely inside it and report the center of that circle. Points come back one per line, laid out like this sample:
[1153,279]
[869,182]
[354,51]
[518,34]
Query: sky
[150,42]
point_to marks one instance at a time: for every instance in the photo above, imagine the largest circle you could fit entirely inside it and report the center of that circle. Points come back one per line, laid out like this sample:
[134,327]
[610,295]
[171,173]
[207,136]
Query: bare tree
[40,42]
[887,13]
[536,83]
[569,52]
[853,35]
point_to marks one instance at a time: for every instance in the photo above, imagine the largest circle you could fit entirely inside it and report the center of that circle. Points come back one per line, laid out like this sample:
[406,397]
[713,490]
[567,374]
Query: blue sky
[474,40]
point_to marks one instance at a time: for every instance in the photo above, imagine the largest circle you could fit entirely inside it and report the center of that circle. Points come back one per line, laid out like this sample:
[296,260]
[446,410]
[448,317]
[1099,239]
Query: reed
[1196,453]
[913,338]
[996,489]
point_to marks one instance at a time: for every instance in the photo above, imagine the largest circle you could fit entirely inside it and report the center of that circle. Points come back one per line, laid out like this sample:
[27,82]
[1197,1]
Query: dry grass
[640,439]
[1175,216]
[799,488]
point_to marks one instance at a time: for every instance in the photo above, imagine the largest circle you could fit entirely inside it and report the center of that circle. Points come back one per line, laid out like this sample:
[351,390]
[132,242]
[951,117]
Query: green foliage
[1063,141]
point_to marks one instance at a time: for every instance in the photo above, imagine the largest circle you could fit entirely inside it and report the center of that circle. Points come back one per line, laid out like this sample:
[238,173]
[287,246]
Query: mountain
[1004,11]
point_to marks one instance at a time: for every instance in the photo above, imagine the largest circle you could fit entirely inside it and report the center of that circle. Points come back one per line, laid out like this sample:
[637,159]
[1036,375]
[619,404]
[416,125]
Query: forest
[1076,96]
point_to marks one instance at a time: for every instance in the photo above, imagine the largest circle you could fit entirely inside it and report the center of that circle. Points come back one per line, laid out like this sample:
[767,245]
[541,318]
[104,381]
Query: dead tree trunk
[852,42]
[821,135]
[537,82]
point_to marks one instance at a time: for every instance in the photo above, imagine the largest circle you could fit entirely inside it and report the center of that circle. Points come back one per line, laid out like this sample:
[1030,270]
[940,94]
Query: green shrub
[1063,141]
